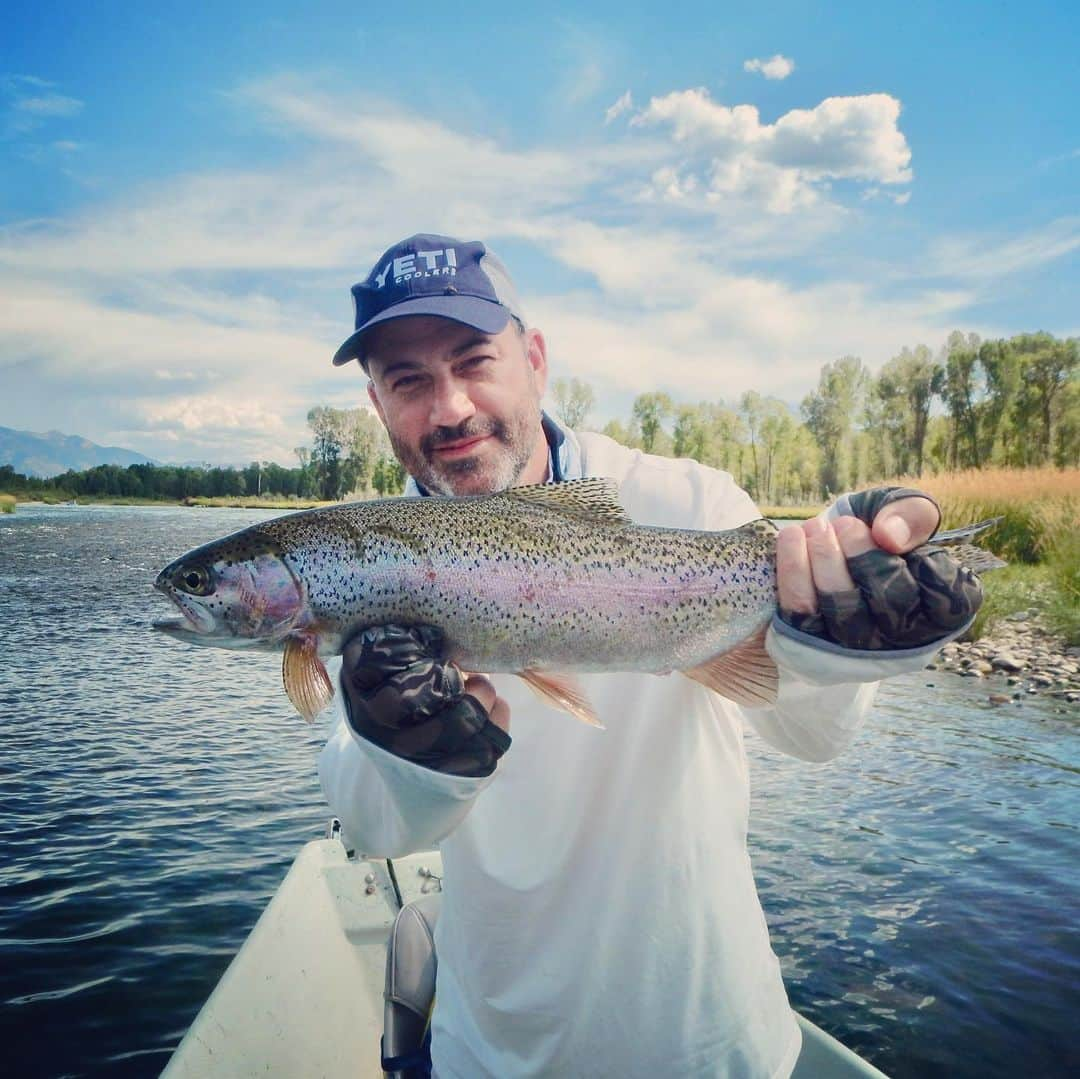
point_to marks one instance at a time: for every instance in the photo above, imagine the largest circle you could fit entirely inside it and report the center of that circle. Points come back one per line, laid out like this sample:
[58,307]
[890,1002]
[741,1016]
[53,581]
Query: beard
[479,474]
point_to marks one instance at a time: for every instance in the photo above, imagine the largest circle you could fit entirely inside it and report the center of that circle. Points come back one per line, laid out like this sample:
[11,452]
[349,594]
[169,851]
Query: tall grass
[7,503]
[1063,593]
[1036,505]
[1039,536]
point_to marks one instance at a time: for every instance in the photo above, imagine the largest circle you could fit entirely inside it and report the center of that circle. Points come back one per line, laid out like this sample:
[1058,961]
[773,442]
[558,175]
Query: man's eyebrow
[472,342]
[395,365]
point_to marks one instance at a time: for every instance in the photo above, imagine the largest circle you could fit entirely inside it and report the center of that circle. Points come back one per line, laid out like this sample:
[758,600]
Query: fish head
[236,592]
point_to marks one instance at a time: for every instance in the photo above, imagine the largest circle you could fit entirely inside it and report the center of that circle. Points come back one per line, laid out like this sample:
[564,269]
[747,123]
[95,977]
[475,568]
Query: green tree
[625,436]
[962,390]
[1049,368]
[906,387]
[649,411]
[1001,366]
[776,432]
[574,400]
[388,476]
[829,412]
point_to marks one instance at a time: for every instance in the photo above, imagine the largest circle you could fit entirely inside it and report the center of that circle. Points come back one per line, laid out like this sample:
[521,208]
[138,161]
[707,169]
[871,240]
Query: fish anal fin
[562,692]
[745,674]
[304,676]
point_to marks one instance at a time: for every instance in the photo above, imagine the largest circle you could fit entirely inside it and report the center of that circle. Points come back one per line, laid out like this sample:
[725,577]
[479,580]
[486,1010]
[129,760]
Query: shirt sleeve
[823,697]
[390,807]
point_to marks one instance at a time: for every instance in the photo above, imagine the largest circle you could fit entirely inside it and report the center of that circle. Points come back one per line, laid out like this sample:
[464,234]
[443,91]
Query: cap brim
[483,315]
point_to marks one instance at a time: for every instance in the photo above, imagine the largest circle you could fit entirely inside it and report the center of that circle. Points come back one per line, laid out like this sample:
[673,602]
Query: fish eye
[194,579]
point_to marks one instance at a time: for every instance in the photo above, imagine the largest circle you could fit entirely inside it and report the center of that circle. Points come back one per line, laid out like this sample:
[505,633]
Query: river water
[921,889]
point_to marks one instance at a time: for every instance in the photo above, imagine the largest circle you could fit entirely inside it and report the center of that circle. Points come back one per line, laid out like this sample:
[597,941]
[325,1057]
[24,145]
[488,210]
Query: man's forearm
[388,806]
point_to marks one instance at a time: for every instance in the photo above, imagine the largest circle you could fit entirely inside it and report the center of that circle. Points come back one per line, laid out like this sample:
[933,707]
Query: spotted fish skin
[519,582]
[549,578]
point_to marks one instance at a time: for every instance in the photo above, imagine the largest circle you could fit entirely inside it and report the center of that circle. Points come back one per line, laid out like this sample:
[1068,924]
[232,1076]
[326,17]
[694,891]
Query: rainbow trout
[539,581]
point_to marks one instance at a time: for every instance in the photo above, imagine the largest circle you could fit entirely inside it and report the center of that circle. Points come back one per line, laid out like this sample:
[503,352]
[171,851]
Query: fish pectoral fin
[304,676]
[745,674]
[562,692]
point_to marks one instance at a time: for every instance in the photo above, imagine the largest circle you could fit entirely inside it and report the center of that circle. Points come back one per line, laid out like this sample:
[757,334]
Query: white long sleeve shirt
[599,914]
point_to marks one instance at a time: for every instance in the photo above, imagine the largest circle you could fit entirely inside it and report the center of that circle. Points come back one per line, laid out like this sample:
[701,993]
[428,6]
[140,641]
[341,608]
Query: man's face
[462,408]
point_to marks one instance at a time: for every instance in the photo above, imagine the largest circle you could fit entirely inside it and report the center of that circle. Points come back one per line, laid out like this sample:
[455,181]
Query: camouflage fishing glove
[401,696]
[901,601]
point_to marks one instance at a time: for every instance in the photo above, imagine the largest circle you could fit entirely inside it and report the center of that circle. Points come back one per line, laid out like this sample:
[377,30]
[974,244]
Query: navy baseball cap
[433,275]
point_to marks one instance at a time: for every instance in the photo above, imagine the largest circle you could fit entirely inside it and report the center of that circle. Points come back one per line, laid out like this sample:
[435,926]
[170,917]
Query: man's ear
[536,354]
[374,398]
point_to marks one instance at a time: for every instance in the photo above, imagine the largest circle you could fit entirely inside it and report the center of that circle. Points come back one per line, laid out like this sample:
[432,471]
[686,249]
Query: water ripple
[920,889]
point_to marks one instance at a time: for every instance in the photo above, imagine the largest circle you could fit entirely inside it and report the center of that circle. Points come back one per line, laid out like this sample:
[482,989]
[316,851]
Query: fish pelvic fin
[745,674]
[562,692]
[304,676]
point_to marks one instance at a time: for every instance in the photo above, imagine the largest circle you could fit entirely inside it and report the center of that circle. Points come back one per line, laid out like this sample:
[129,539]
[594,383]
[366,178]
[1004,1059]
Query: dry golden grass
[1037,505]
[1040,511]
[1000,484]
[7,503]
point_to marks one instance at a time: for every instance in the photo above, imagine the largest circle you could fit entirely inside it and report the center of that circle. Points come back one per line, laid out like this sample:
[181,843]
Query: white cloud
[148,306]
[624,104]
[776,67]
[30,102]
[786,165]
[983,258]
[49,105]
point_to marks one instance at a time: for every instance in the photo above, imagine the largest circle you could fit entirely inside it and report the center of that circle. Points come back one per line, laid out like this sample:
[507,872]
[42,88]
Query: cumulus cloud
[776,67]
[199,315]
[784,165]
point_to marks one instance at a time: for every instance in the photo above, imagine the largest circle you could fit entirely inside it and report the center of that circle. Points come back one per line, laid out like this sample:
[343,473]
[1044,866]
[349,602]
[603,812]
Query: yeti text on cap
[405,268]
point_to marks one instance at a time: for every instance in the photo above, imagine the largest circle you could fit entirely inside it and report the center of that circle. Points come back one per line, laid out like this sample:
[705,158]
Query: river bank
[1019,657]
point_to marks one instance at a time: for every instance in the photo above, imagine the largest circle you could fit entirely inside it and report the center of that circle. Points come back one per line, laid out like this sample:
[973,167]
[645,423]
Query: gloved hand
[401,696]
[874,583]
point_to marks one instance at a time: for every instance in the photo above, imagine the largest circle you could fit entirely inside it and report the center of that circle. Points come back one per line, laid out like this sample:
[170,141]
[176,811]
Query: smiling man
[599,915]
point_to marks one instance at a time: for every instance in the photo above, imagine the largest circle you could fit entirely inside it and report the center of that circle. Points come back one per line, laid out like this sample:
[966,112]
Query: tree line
[1011,402]
[349,455]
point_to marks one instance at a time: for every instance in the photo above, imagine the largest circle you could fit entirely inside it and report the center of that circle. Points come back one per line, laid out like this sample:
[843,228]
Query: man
[599,913]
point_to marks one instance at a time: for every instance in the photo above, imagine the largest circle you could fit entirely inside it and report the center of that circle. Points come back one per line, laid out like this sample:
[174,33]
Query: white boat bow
[304,995]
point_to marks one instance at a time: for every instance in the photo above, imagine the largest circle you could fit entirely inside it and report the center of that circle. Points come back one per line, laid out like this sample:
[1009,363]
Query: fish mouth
[197,619]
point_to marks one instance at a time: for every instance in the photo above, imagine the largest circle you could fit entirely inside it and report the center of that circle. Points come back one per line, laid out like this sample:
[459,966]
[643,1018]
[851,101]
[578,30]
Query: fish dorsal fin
[745,674]
[385,541]
[595,498]
[761,527]
[306,682]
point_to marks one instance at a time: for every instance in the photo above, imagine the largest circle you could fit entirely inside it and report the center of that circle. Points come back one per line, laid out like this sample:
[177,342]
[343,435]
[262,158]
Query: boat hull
[304,995]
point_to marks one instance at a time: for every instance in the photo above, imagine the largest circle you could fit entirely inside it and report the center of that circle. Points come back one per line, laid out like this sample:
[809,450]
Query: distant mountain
[49,454]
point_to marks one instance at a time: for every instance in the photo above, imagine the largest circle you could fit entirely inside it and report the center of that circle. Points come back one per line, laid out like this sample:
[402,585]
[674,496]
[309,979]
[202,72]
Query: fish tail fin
[977,559]
[562,692]
[745,674]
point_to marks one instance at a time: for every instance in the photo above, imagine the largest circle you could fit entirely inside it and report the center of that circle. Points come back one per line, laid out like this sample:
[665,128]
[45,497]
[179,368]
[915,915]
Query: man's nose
[450,405]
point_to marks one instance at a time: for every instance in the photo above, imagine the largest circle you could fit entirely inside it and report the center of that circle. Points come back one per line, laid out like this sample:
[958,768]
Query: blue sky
[698,198]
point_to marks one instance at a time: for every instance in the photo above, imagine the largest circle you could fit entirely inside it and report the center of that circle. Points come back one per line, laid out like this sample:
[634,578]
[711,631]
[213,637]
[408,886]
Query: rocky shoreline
[1019,658]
